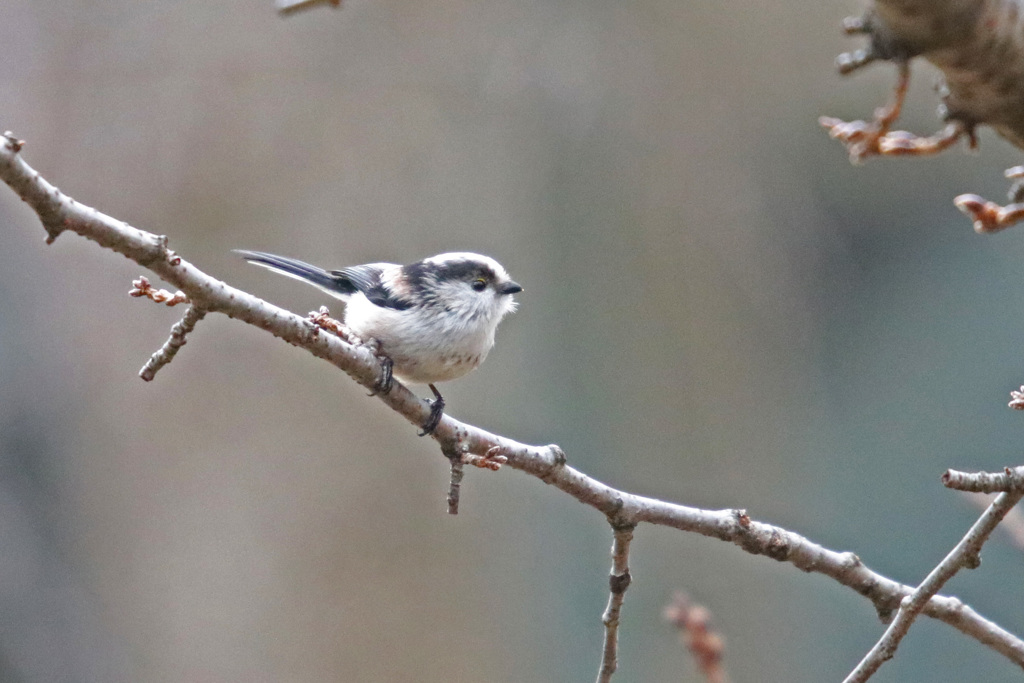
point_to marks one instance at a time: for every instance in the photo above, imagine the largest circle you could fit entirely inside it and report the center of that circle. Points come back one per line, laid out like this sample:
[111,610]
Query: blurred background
[719,310]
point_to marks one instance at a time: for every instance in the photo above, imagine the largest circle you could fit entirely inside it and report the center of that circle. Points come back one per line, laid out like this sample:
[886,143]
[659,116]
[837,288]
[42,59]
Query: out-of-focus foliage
[719,310]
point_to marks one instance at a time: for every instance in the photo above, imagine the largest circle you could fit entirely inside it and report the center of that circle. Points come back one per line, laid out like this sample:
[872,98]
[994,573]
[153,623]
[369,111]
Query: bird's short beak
[510,288]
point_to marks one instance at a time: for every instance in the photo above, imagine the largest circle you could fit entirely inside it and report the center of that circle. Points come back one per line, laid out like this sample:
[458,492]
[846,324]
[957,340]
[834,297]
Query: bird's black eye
[479,284]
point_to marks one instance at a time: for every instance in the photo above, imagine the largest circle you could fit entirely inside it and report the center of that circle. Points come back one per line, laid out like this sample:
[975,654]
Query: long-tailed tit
[433,320]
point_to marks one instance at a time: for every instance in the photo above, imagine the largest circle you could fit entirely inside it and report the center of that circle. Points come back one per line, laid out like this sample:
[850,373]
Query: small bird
[433,320]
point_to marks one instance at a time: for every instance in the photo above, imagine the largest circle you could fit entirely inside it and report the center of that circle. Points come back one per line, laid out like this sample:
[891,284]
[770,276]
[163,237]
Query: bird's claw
[436,411]
[386,380]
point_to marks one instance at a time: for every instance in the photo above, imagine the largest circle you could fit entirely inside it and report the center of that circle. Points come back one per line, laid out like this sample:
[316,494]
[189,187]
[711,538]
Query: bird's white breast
[426,346]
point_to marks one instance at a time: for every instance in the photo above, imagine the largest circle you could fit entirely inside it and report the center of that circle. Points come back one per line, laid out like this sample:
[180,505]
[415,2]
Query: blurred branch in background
[705,643]
[864,140]
[978,47]
[990,216]
[624,511]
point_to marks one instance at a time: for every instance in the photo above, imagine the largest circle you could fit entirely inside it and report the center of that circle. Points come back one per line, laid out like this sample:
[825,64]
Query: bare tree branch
[964,554]
[1010,480]
[618,582]
[455,482]
[59,213]
[166,353]
[1013,523]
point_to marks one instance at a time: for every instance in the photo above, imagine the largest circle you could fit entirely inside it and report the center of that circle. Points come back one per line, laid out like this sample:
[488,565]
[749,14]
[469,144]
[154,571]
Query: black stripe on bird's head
[480,272]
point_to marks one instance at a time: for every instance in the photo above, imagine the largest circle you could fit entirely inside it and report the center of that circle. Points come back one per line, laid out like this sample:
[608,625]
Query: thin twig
[1010,479]
[455,482]
[58,213]
[458,457]
[705,644]
[1012,524]
[179,331]
[964,554]
[618,582]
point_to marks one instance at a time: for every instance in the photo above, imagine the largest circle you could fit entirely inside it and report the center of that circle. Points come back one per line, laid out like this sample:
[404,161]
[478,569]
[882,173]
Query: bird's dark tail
[332,283]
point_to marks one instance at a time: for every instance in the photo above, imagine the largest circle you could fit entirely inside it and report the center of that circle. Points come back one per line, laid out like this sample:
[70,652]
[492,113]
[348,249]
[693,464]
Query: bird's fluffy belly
[436,352]
[433,367]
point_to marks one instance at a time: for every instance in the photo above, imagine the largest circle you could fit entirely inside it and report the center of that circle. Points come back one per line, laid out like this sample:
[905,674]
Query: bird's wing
[369,280]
